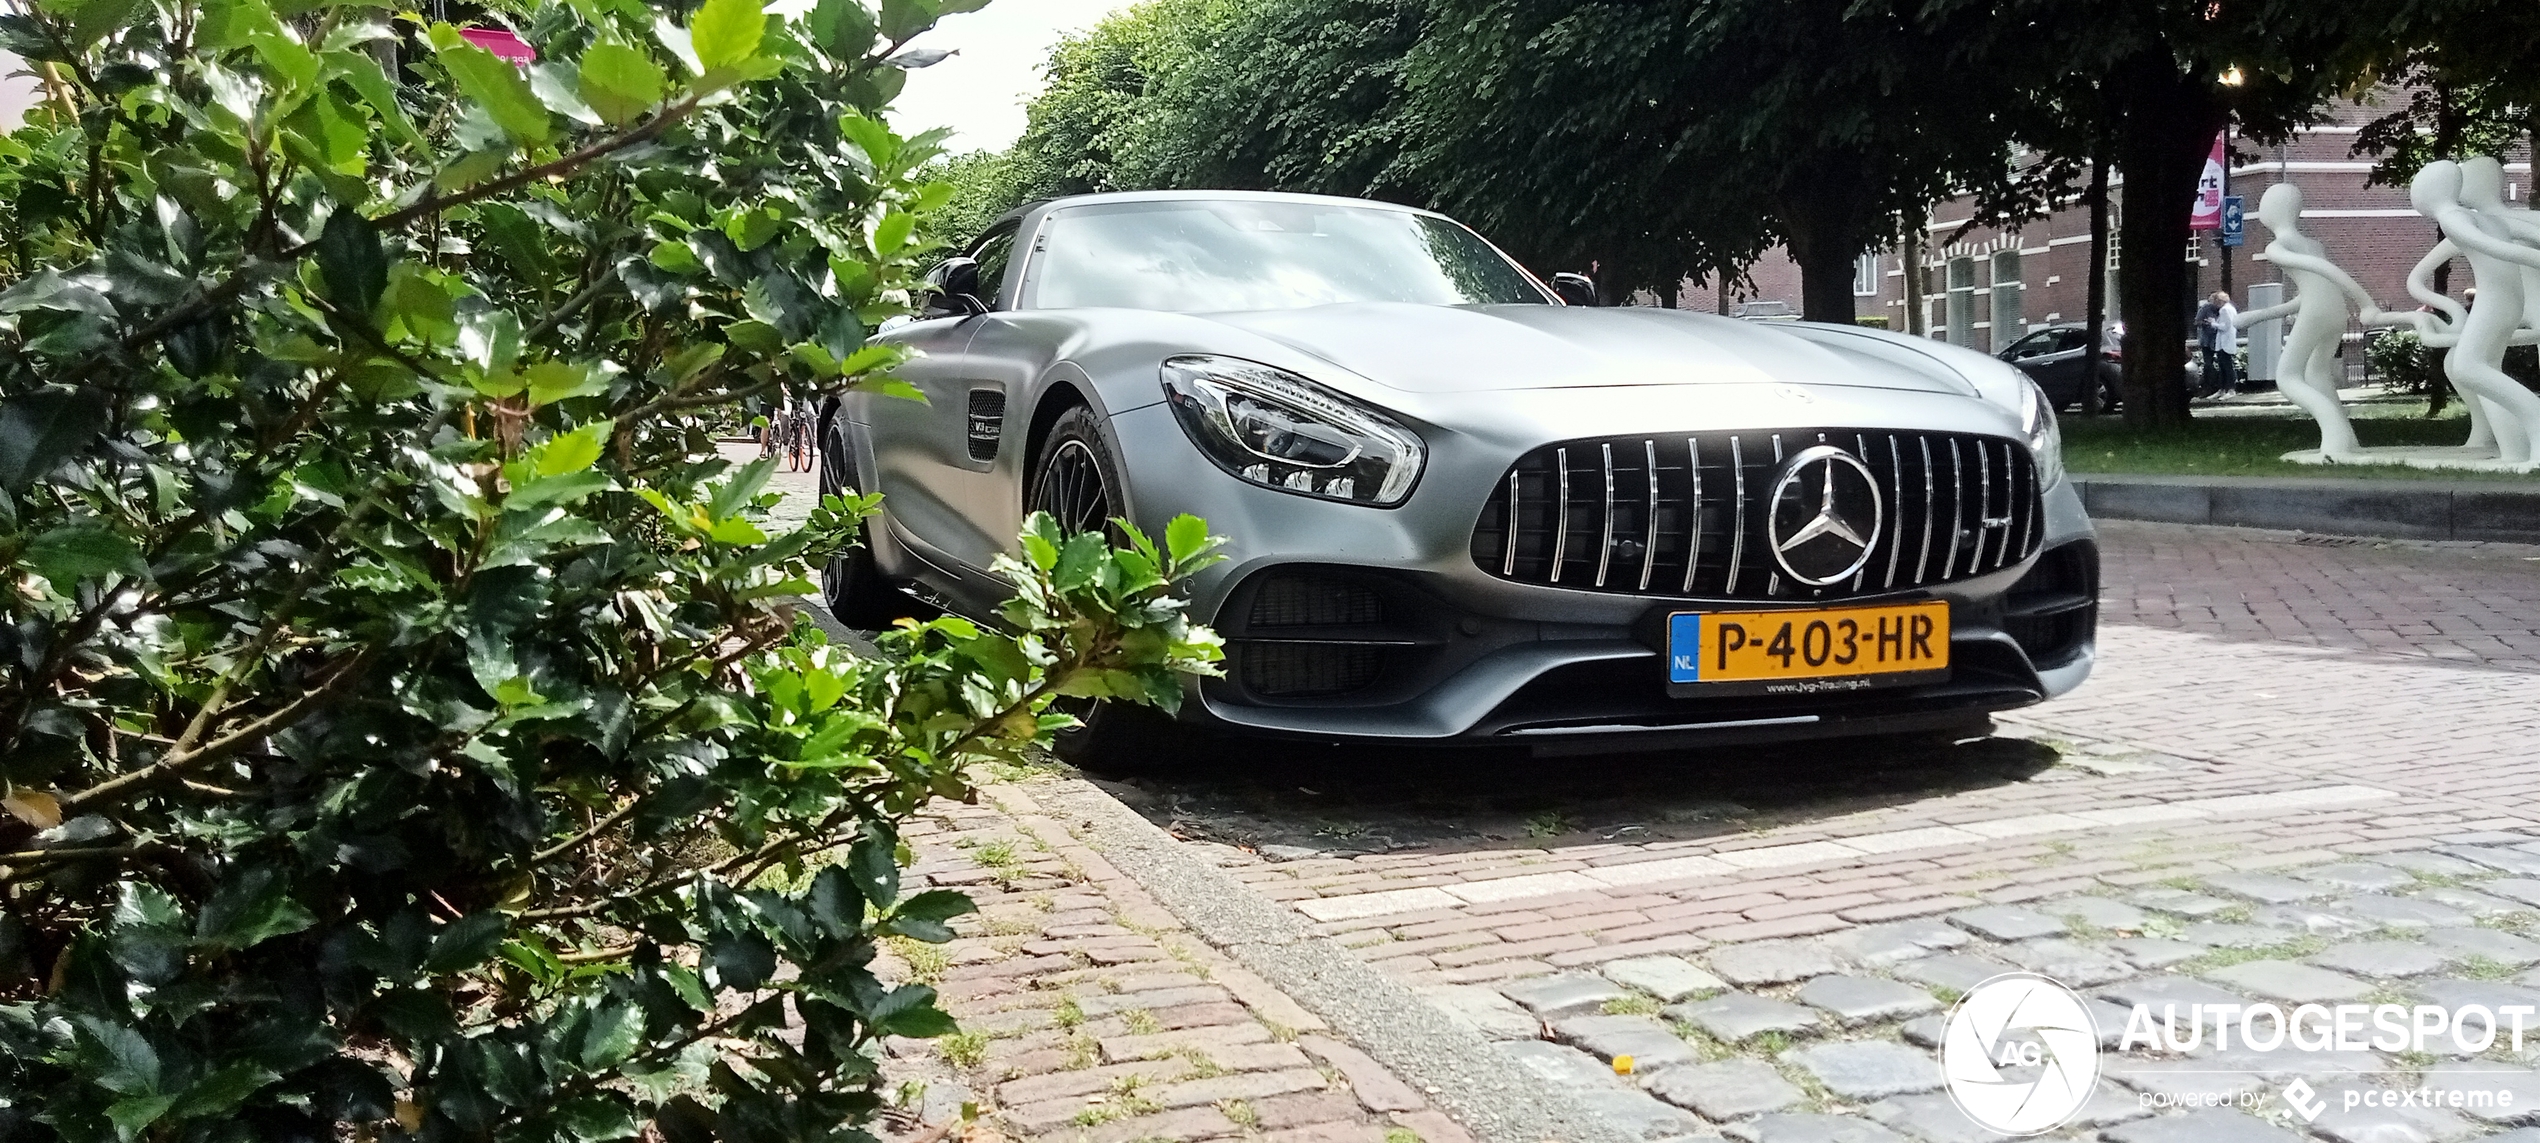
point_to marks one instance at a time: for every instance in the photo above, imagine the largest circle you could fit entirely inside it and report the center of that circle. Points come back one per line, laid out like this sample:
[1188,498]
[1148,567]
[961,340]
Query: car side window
[2033,345]
[993,254]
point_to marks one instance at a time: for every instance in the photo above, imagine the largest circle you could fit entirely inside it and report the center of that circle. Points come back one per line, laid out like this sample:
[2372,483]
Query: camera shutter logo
[2020,1054]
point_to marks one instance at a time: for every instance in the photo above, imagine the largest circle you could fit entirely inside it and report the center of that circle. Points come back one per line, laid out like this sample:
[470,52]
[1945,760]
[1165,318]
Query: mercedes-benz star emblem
[1825,514]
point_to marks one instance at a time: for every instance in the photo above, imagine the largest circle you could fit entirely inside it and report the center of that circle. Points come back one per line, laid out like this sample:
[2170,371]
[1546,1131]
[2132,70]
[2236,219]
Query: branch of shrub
[181,759]
[253,274]
[570,306]
[527,175]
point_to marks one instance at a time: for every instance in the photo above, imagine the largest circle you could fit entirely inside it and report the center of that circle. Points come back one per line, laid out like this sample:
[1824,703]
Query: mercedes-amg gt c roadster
[1463,511]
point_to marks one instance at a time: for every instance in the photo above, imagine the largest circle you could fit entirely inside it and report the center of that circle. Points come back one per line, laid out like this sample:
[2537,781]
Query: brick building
[1985,287]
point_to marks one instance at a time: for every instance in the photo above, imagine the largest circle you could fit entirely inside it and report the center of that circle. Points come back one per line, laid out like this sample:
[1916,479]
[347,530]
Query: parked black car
[2053,357]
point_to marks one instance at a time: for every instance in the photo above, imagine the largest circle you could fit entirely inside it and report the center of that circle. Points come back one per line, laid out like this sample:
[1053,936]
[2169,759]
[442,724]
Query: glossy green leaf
[41,428]
[366,77]
[842,28]
[496,86]
[726,33]
[620,83]
[75,552]
[553,381]
[615,1032]
[573,451]
[902,19]
[352,262]
[875,869]
[251,907]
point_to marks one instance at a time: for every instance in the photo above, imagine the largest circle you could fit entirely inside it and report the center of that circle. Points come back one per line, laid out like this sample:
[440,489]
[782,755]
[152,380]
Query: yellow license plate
[1811,651]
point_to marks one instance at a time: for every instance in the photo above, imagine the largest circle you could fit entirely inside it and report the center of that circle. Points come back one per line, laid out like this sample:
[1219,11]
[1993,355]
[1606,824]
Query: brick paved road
[2459,603]
[1090,1015]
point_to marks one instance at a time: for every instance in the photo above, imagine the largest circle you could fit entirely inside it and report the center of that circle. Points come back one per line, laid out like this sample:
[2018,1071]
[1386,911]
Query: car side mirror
[1575,289]
[952,289]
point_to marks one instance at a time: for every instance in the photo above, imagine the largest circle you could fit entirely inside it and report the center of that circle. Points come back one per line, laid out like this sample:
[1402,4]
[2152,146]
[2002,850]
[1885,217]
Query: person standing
[2219,340]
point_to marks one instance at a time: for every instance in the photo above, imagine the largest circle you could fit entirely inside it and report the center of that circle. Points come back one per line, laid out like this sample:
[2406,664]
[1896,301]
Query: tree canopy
[1665,139]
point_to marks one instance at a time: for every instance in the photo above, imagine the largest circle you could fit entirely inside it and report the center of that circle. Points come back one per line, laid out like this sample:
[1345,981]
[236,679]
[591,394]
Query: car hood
[1465,349]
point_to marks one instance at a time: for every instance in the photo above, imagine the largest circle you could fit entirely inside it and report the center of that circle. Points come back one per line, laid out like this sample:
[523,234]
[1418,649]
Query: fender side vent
[987,422]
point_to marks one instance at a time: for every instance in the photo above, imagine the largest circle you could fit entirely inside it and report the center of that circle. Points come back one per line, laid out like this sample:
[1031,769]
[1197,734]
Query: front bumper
[1361,624]
[1394,656]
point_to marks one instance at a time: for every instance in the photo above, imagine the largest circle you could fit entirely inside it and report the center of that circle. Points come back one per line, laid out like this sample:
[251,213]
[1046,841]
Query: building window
[2009,322]
[1865,276]
[1962,301]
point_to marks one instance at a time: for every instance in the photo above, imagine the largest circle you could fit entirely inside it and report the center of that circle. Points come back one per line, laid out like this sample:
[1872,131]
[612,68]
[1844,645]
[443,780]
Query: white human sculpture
[2438,326]
[2483,190]
[2476,363]
[2308,370]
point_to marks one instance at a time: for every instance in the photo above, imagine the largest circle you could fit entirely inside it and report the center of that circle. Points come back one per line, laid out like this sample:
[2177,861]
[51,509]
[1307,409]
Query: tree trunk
[2167,129]
[1912,260]
[2096,327]
[1825,282]
[1821,225]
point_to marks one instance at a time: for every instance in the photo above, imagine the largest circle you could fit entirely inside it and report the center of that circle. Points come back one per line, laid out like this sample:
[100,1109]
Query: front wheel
[852,585]
[1076,481]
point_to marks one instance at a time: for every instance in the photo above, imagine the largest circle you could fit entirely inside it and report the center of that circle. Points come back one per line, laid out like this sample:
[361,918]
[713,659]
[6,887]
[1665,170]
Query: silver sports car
[1463,511]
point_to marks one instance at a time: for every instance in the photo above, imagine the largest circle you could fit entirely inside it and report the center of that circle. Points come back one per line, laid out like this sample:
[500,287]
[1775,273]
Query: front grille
[1315,601]
[1301,670]
[1685,514]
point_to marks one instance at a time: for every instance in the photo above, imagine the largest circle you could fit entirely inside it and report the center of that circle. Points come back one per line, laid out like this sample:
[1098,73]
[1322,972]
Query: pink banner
[2209,189]
[502,43]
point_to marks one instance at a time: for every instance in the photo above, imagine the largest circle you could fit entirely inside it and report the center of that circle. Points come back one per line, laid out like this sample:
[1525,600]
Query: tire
[1120,740]
[852,585]
[1075,479]
[1074,476]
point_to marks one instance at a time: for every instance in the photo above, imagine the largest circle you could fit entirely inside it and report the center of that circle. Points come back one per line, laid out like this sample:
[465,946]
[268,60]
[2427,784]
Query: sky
[980,92]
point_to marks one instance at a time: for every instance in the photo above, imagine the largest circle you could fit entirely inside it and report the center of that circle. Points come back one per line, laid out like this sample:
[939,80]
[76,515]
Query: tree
[1078,130]
[1296,95]
[2167,76]
[405,725]
[985,186]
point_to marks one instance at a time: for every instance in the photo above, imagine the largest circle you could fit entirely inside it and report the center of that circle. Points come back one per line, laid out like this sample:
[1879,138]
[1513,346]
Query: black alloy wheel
[1073,480]
[1070,487]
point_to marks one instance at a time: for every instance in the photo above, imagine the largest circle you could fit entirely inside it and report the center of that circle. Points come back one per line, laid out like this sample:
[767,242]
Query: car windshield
[1188,256]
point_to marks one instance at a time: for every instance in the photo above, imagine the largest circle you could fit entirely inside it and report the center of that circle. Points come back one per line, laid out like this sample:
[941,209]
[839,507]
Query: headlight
[2045,436]
[1279,430]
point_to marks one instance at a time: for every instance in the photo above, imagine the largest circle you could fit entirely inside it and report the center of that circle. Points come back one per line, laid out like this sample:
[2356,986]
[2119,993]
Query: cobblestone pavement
[1090,1015]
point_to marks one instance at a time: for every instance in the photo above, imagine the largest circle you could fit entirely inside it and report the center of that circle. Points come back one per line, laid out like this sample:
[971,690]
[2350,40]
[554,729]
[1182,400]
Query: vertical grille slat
[1514,518]
[1692,544]
[1561,524]
[1931,513]
[1984,505]
[1737,497]
[1605,533]
[1896,497]
[1693,526]
[1649,543]
[1957,510]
